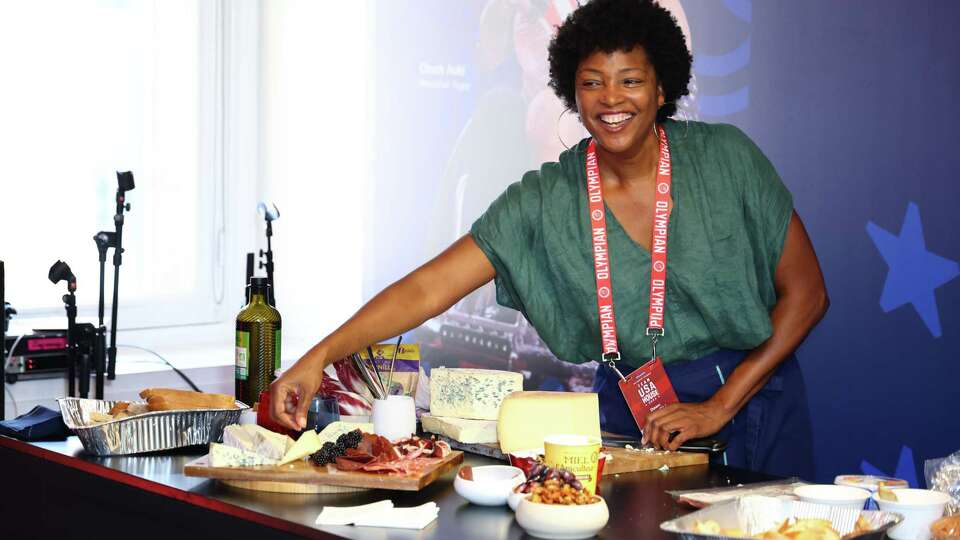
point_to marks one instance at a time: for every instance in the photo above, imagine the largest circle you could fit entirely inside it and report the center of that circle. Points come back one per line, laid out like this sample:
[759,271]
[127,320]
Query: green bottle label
[243,355]
[276,349]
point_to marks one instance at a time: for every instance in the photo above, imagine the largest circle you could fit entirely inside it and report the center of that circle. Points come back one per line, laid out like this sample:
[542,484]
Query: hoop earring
[559,138]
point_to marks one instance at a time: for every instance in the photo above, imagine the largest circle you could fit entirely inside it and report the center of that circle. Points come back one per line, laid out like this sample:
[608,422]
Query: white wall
[315,154]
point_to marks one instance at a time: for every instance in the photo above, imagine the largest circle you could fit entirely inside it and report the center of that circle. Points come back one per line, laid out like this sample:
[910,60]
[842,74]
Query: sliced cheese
[335,429]
[471,393]
[222,455]
[527,417]
[461,429]
[307,444]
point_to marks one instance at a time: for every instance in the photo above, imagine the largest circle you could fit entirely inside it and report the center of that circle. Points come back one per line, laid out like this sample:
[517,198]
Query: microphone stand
[70,304]
[269,216]
[250,258]
[125,183]
[271,299]
[104,241]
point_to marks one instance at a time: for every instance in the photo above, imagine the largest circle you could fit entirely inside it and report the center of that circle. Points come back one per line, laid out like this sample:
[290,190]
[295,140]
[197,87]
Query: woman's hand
[689,420]
[291,394]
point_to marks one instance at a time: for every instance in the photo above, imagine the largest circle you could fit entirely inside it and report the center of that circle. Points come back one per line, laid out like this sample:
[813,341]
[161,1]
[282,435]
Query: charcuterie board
[286,478]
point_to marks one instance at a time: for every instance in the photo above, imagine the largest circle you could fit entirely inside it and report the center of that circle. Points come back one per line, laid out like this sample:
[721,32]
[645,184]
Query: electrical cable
[6,364]
[165,361]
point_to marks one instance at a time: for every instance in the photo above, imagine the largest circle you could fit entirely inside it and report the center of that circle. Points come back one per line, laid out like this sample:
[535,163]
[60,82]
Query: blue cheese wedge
[270,444]
[222,455]
[461,429]
[471,393]
[257,439]
[235,436]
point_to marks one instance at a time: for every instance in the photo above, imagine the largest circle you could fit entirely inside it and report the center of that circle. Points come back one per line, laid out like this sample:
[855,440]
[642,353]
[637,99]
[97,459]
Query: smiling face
[617,97]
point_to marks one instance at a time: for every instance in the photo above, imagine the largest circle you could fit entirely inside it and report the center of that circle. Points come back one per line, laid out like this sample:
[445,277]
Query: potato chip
[886,494]
[706,527]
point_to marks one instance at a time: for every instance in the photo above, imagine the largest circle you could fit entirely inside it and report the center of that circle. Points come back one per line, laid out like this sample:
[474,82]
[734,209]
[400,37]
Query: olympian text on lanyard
[658,251]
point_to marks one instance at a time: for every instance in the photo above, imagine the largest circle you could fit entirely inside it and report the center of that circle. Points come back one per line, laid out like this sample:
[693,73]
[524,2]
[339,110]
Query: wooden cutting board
[624,460]
[302,472]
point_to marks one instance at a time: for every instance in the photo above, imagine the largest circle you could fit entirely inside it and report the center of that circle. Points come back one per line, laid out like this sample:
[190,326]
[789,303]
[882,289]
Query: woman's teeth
[615,119]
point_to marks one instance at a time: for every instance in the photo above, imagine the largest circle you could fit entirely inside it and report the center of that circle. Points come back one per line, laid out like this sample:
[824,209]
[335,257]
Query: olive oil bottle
[258,343]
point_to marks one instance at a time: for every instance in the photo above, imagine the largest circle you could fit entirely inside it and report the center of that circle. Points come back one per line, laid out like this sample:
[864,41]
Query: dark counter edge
[156,488]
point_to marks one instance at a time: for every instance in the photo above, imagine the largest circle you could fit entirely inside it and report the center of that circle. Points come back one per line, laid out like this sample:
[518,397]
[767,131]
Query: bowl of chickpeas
[556,509]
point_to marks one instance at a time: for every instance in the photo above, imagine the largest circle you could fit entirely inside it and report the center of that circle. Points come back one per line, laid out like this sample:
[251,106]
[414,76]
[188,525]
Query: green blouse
[727,229]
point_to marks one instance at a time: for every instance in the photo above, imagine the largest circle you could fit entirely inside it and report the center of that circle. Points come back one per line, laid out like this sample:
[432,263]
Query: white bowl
[843,496]
[491,484]
[562,521]
[513,500]
[920,508]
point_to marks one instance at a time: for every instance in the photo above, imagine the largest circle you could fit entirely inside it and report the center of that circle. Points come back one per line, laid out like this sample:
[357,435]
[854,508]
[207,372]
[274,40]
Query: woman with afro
[740,290]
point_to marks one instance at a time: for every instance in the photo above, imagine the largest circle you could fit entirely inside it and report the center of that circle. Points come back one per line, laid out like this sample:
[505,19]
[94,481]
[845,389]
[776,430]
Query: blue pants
[770,434]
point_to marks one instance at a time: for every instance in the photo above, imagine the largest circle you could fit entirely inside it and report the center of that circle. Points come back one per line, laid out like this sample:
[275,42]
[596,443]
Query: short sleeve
[767,203]
[506,233]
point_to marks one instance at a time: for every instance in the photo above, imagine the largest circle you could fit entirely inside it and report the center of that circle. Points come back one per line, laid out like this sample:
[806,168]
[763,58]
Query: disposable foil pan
[148,432]
[756,514]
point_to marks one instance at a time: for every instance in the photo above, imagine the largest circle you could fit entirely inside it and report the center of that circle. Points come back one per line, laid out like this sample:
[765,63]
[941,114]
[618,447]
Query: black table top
[637,501]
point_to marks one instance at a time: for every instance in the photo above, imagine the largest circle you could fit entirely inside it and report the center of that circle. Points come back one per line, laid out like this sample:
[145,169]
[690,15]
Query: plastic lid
[870,482]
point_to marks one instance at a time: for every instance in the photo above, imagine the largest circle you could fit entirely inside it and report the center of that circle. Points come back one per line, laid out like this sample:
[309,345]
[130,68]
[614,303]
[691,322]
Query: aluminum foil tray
[148,432]
[756,514]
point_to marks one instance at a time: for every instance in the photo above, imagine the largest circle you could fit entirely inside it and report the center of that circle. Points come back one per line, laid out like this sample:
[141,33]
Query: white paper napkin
[344,515]
[380,514]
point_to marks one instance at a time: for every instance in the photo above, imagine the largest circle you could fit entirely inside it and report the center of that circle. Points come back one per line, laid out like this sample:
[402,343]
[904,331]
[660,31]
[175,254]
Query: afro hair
[621,25]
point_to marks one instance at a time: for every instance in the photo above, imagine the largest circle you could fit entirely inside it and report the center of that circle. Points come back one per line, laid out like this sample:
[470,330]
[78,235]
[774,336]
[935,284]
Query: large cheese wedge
[335,429]
[461,429]
[270,444]
[222,455]
[254,438]
[527,417]
[471,393]
[235,436]
[307,444]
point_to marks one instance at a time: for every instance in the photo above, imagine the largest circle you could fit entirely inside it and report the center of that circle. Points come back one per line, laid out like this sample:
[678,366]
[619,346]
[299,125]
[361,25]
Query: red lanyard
[658,251]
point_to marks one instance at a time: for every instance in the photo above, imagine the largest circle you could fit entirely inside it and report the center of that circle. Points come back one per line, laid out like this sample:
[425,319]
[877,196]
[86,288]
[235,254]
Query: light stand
[124,184]
[60,271]
[269,216]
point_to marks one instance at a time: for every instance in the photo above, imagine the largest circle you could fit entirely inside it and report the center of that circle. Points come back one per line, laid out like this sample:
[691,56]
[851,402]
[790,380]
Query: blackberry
[350,439]
[327,454]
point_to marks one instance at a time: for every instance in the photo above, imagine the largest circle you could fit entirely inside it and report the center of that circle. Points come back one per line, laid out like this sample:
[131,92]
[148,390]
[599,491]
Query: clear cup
[322,412]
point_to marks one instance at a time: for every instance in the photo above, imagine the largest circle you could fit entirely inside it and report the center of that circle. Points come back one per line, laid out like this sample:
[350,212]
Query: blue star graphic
[906,468]
[914,272]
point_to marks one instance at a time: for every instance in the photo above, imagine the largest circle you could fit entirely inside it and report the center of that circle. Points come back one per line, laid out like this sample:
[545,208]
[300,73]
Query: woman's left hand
[689,420]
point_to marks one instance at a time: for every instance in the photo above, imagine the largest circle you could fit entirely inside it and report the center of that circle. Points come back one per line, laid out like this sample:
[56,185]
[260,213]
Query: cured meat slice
[441,449]
[347,464]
